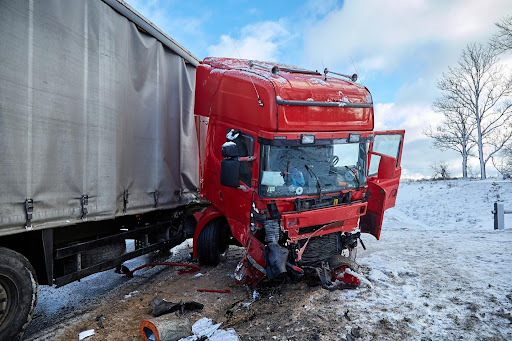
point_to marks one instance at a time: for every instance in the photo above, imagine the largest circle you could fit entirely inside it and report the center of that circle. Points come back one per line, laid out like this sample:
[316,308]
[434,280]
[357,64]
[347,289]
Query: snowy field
[439,272]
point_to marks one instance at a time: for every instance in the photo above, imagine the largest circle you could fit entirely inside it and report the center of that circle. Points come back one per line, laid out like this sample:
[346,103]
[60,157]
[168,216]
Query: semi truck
[112,131]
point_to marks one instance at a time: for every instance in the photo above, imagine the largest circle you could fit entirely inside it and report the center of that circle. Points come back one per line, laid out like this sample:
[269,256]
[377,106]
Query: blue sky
[399,48]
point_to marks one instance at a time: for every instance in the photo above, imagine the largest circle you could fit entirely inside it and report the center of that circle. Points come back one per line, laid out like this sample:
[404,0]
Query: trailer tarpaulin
[96,117]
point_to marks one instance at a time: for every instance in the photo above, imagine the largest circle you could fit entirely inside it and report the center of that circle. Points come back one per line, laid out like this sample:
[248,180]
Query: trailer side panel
[96,117]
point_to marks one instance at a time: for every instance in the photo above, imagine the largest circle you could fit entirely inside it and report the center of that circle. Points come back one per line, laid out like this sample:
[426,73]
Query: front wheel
[213,242]
[18,294]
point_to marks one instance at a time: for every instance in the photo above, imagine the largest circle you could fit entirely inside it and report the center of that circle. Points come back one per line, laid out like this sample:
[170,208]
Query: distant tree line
[476,103]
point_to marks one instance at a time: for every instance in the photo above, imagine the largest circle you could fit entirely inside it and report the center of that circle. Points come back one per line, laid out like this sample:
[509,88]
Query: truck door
[384,171]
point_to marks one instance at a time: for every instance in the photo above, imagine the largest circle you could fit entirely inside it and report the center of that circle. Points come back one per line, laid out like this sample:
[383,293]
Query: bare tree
[455,131]
[504,164]
[502,41]
[440,170]
[479,86]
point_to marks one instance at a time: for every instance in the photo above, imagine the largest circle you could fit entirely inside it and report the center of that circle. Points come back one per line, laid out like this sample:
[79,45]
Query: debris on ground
[165,328]
[123,270]
[215,290]
[255,296]
[161,306]
[131,293]
[100,319]
[204,329]
[85,334]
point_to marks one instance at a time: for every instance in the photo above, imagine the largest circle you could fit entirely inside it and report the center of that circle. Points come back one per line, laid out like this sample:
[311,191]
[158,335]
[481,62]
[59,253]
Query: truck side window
[384,144]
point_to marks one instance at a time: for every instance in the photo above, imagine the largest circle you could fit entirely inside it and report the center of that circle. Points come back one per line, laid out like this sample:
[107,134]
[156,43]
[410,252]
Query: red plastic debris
[192,268]
[214,290]
[341,275]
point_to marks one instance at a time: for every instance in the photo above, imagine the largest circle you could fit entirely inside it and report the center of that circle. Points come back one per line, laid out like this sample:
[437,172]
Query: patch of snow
[131,293]
[218,71]
[205,327]
[229,143]
[255,75]
[364,281]
[318,81]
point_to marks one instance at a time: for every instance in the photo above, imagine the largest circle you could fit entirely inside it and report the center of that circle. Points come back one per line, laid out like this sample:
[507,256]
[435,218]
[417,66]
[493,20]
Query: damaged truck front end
[295,181]
[309,201]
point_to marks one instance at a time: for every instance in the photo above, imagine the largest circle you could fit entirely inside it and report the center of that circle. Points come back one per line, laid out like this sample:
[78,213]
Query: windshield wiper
[356,175]
[317,180]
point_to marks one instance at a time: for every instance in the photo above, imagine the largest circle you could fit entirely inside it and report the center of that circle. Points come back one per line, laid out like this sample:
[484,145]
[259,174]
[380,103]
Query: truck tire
[18,294]
[102,254]
[338,260]
[213,243]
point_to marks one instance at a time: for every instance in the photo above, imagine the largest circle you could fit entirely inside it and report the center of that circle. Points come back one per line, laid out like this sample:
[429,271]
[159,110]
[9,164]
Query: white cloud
[256,41]
[381,35]
[414,118]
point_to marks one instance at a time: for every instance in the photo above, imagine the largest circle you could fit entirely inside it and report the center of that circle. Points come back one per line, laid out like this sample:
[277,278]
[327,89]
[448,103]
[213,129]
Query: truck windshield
[307,170]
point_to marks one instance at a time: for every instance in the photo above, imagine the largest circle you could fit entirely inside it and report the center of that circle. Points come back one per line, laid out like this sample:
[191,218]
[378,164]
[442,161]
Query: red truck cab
[290,164]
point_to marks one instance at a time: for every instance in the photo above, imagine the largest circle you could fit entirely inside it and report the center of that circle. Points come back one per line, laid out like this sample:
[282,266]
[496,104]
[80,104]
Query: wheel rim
[4,301]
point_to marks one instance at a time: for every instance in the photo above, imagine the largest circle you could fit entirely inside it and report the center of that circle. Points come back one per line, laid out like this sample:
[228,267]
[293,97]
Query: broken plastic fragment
[85,334]
[205,327]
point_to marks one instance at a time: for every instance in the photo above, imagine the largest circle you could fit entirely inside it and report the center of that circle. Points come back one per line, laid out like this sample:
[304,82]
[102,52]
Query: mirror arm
[247,158]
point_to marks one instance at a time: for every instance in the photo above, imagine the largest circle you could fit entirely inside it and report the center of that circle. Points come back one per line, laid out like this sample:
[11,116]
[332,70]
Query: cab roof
[296,83]
[280,97]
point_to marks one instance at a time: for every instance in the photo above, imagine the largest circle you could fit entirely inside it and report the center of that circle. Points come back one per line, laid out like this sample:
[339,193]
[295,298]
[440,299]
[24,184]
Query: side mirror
[387,167]
[230,149]
[230,172]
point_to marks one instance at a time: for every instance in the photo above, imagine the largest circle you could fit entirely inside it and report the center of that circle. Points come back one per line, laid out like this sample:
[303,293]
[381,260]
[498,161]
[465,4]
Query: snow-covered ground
[440,270]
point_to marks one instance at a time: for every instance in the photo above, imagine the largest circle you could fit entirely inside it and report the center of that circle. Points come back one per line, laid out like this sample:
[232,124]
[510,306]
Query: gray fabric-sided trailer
[96,115]
[98,144]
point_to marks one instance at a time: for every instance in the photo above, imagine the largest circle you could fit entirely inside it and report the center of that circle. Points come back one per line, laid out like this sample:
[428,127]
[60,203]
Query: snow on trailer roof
[138,19]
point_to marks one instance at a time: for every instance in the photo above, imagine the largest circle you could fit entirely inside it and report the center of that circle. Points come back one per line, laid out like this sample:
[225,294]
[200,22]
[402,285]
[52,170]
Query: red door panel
[383,179]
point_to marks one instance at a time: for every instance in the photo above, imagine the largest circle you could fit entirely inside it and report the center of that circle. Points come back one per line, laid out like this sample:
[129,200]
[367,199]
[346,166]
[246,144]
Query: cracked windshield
[313,169]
